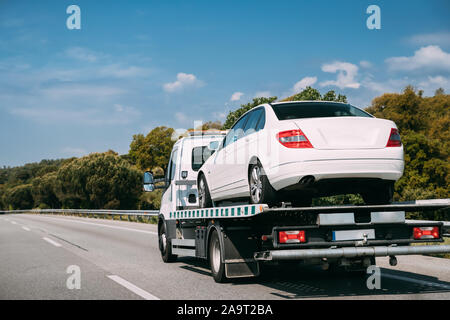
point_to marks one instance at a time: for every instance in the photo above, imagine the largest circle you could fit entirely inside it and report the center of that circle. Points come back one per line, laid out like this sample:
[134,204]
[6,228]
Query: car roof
[307,101]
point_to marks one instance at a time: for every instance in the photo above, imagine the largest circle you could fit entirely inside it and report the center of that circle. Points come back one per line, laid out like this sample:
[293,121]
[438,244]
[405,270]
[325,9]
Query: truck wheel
[204,198]
[260,189]
[165,245]
[380,195]
[215,259]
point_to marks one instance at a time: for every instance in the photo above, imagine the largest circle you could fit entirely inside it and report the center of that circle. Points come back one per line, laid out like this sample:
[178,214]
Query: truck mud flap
[242,269]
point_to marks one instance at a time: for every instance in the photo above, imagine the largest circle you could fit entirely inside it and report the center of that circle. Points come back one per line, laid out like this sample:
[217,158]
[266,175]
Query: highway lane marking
[26,229]
[140,292]
[13,222]
[56,244]
[107,226]
[417,281]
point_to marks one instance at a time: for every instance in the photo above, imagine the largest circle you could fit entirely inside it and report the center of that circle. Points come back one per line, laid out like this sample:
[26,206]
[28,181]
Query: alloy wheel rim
[201,193]
[256,184]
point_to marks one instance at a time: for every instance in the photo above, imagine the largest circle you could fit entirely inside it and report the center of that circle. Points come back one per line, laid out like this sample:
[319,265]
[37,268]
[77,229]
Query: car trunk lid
[346,132]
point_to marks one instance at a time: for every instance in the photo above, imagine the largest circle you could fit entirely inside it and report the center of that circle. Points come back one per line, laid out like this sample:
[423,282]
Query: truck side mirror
[148,183]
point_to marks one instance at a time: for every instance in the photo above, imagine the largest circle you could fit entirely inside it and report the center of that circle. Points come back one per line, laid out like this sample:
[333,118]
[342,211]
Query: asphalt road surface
[121,260]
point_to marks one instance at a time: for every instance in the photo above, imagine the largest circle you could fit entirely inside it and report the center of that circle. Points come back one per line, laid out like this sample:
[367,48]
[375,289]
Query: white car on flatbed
[294,151]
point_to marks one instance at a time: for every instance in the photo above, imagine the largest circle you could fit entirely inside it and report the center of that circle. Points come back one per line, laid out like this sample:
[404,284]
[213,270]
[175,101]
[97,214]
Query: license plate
[344,235]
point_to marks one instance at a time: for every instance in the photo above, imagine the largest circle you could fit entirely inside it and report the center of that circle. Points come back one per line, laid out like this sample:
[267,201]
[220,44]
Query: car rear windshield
[286,111]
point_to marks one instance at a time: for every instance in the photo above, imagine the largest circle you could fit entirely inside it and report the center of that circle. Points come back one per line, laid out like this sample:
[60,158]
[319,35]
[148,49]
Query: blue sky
[135,65]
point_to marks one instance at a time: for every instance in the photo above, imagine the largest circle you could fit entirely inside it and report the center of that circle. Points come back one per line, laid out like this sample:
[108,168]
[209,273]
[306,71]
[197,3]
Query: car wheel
[204,198]
[380,195]
[215,259]
[260,189]
[165,245]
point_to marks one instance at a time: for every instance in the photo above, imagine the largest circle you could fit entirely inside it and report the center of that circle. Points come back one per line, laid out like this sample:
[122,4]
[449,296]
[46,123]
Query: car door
[222,173]
[243,150]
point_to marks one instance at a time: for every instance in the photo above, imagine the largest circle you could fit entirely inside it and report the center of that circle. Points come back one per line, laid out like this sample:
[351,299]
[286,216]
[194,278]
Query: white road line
[417,281]
[13,222]
[56,244]
[140,292]
[26,229]
[104,225]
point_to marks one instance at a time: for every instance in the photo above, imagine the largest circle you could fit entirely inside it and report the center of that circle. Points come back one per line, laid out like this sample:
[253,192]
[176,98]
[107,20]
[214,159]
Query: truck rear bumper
[351,252]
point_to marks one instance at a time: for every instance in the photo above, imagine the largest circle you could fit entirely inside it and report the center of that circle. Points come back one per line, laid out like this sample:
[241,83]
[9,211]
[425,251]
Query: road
[121,260]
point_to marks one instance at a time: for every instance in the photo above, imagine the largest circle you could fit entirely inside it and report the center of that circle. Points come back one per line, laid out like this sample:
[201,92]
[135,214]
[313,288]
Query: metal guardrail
[131,215]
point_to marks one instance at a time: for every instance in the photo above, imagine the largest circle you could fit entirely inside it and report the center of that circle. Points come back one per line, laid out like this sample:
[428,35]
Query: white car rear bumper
[290,173]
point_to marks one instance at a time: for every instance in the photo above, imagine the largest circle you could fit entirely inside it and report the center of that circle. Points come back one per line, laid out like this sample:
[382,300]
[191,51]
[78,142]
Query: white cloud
[365,64]
[302,84]
[262,94]
[346,73]
[236,96]
[183,80]
[82,54]
[433,83]
[437,38]
[119,71]
[181,117]
[430,58]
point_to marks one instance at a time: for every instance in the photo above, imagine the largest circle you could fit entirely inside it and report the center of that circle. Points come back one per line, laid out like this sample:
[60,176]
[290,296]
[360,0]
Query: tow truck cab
[180,181]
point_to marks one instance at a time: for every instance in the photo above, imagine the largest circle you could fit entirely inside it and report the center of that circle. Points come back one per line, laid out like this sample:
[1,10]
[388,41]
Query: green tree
[19,197]
[424,124]
[152,150]
[310,93]
[100,180]
[43,191]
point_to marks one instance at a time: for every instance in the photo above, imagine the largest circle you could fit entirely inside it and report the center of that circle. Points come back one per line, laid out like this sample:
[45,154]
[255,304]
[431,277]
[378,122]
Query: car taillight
[426,233]
[394,139]
[294,139]
[291,236]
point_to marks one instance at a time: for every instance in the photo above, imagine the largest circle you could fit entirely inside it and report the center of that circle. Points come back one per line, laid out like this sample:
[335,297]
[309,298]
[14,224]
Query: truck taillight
[426,233]
[394,139]
[291,236]
[294,139]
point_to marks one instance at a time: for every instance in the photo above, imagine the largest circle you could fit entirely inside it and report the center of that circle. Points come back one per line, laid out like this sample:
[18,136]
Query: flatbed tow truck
[237,239]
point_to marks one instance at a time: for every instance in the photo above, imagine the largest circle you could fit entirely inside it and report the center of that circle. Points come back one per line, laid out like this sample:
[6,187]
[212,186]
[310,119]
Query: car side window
[261,120]
[254,116]
[236,132]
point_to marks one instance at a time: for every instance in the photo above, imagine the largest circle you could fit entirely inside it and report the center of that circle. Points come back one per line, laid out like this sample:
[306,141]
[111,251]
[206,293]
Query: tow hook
[363,242]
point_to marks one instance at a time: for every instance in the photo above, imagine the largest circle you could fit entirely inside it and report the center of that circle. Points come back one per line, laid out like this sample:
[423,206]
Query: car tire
[380,195]
[204,197]
[165,245]
[215,258]
[260,189]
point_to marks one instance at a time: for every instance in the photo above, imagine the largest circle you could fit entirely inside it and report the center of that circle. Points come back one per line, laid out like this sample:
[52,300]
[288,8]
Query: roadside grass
[438,255]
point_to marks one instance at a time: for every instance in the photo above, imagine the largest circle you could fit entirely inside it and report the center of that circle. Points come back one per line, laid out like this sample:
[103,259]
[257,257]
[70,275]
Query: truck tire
[215,258]
[204,197]
[165,245]
[379,195]
[260,189]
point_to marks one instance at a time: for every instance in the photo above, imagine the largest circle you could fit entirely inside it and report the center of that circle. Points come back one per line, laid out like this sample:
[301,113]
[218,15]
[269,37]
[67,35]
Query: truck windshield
[301,110]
